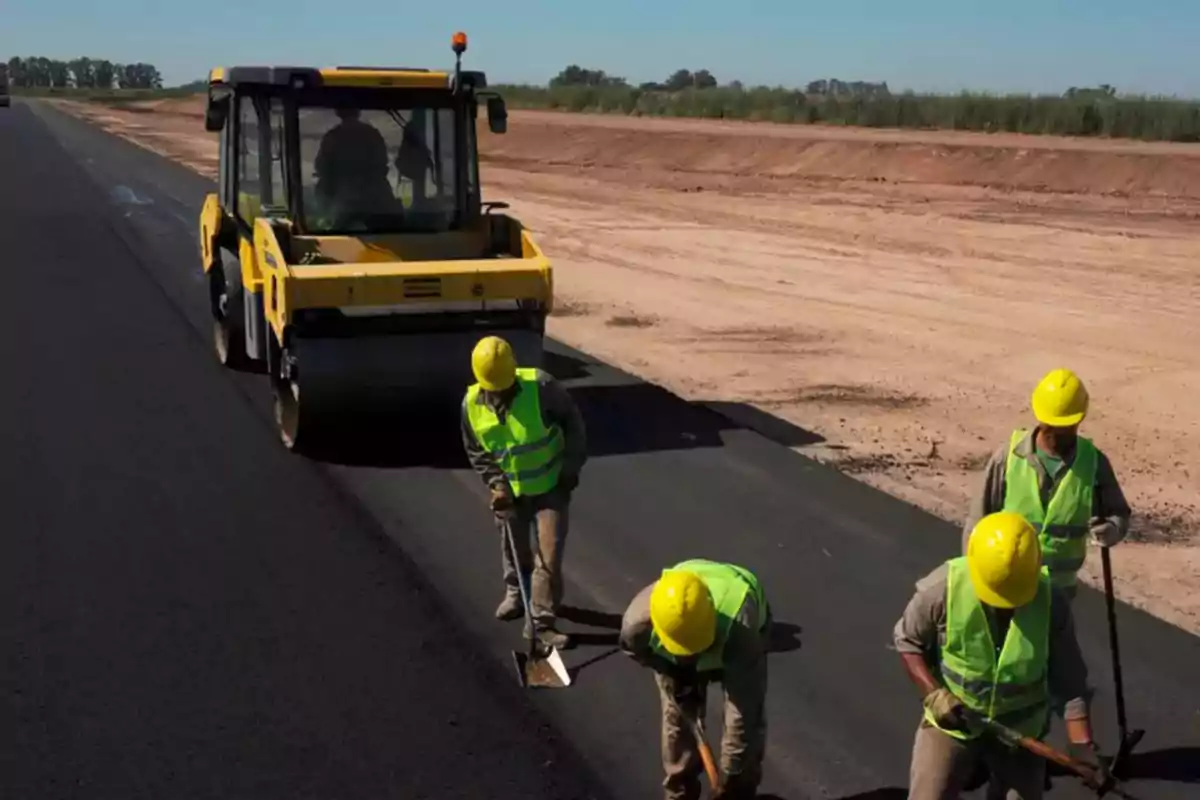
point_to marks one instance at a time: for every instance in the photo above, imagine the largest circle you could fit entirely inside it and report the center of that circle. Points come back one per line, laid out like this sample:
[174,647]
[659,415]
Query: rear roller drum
[228,299]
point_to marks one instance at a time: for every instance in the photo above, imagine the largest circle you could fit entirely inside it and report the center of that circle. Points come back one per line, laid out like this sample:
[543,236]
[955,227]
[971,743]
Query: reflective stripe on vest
[1012,689]
[529,453]
[729,585]
[1063,527]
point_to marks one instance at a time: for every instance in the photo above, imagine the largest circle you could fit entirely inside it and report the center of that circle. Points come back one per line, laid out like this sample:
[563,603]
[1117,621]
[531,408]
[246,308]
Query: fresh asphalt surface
[188,610]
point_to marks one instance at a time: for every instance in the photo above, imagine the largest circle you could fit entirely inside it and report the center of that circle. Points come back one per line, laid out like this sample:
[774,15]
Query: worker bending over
[988,637]
[1056,479]
[525,437]
[700,622]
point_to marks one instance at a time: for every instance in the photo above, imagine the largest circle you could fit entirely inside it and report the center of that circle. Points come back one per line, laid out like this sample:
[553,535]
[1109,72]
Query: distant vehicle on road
[4,101]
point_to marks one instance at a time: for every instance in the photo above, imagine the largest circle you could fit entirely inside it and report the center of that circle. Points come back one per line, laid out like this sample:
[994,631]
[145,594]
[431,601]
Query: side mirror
[497,114]
[216,113]
[277,145]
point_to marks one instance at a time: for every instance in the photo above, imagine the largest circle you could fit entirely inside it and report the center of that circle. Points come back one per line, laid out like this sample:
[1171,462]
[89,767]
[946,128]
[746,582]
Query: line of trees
[81,73]
[1079,111]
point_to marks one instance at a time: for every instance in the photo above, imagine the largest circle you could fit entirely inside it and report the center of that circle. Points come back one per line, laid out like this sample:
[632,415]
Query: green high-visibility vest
[729,586]
[529,452]
[1063,526]
[1012,689]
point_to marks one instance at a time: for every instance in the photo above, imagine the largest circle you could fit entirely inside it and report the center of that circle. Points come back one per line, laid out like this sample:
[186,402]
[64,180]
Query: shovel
[710,764]
[1093,779]
[706,755]
[541,667]
[1129,739]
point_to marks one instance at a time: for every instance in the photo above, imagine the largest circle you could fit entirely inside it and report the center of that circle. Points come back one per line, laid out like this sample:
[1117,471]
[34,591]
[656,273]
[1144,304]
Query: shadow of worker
[784,637]
[594,619]
[1175,764]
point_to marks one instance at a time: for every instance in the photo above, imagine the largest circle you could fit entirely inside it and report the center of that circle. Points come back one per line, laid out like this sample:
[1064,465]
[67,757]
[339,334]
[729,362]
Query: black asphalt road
[187,610]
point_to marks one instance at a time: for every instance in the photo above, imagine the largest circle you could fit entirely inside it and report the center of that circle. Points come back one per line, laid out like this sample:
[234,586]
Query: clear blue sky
[1014,45]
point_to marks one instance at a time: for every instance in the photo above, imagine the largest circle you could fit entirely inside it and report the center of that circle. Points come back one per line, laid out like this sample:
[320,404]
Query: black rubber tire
[228,298]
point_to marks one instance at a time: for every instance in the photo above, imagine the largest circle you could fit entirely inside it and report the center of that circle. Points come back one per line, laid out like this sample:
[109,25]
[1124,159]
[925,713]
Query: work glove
[1089,755]
[947,710]
[1104,532]
[502,500]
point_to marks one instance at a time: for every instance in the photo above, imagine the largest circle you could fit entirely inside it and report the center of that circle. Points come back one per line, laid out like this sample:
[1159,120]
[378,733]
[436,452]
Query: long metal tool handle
[1114,645]
[520,568]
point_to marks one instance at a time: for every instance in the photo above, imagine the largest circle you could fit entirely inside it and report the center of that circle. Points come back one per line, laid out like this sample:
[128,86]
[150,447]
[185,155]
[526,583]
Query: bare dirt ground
[897,293]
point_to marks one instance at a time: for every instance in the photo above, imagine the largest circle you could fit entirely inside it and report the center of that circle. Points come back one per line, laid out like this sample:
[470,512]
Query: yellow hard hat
[682,613]
[1004,559]
[1060,400]
[493,363]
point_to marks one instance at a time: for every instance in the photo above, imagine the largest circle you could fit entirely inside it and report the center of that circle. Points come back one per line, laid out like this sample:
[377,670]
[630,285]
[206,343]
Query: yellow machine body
[372,311]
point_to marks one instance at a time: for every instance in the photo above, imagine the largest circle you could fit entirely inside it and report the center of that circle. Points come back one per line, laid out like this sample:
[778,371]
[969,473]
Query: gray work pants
[942,765]
[542,520]
[743,742]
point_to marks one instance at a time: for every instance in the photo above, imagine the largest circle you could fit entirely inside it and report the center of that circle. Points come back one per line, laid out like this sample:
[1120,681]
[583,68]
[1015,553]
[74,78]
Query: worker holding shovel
[1058,480]
[1066,487]
[989,638]
[525,438]
[700,622]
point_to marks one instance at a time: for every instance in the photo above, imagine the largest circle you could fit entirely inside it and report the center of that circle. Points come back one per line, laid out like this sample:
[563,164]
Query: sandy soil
[897,293]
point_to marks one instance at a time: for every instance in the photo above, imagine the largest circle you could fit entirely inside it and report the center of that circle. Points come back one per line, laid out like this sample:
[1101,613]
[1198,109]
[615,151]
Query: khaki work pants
[743,741]
[942,765]
[544,520]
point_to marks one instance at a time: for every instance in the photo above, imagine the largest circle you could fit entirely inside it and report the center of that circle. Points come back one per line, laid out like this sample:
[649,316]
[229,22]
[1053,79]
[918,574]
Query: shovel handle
[706,755]
[710,766]
[1038,748]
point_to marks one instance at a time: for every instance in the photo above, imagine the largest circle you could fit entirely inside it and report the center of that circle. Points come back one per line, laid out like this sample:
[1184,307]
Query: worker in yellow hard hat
[525,437]
[987,636]
[703,621]
[1056,479]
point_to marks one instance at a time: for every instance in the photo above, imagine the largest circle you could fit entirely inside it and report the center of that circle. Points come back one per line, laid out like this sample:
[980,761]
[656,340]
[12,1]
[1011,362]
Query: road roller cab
[348,251]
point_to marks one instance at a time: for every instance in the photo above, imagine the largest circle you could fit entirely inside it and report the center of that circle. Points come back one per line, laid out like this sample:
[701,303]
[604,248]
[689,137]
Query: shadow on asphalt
[574,671]
[1175,764]
[595,619]
[784,637]
[624,416]
[590,617]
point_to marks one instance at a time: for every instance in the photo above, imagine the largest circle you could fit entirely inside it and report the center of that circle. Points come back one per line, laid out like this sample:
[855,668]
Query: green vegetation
[1096,111]
[37,74]
[1077,112]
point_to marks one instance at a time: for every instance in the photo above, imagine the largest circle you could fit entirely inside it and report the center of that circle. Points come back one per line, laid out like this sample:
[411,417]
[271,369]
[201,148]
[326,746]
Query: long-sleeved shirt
[744,645]
[557,409]
[922,630]
[1108,501]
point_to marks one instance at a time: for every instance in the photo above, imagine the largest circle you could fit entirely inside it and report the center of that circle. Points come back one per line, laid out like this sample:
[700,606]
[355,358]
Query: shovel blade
[548,672]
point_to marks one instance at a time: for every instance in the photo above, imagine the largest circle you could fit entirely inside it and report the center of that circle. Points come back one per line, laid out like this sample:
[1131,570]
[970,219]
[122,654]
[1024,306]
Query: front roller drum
[293,416]
[314,391]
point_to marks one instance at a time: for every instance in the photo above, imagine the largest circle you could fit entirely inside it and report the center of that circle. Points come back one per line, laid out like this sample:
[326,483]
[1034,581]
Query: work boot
[549,637]
[552,638]
[509,608]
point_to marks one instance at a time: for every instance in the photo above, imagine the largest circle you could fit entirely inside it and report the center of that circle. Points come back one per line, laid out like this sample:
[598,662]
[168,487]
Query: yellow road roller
[348,251]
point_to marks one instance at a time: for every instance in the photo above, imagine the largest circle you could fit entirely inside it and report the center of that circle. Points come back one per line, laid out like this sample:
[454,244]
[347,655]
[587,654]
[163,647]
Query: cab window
[249,199]
[387,168]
